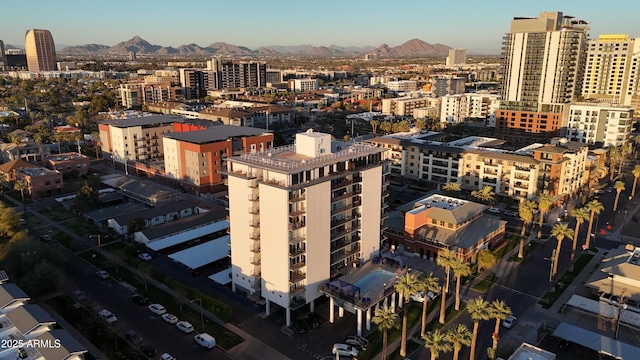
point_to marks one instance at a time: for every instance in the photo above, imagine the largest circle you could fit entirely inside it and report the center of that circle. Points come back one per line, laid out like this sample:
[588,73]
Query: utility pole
[620,307]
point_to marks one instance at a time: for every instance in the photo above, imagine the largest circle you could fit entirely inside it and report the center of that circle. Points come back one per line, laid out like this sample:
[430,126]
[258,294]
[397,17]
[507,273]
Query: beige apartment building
[405,106]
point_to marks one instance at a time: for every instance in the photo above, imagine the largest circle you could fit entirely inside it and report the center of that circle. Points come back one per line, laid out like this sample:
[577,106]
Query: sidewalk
[251,348]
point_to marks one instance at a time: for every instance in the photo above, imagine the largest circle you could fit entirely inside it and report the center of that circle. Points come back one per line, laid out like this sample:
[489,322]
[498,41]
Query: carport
[204,254]
[601,344]
[183,237]
[223,277]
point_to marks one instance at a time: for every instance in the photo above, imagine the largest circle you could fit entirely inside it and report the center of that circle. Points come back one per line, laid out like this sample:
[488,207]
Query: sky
[475,25]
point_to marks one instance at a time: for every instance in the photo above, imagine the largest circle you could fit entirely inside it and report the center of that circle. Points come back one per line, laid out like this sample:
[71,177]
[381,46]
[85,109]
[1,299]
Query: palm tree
[458,336]
[16,140]
[21,186]
[581,215]
[386,319]
[436,342]
[560,231]
[485,259]
[60,137]
[619,186]
[405,286]
[3,178]
[452,187]
[499,311]
[636,175]
[420,124]
[614,156]
[525,210]
[96,138]
[625,149]
[445,259]
[429,283]
[38,138]
[486,195]
[460,268]
[595,207]
[478,308]
[544,203]
[374,125]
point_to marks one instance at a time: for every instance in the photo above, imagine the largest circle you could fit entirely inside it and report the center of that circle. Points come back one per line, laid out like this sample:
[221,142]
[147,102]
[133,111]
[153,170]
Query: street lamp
[620,307]
[551,260]
[201,313]
[98,236]
[624,223]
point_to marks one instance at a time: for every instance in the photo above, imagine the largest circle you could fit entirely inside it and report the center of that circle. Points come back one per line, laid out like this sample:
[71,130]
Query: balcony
[254,210]
[254,224]
[297,290]
[337,235]
[254,235]
[255,260]
[297,225]
[297,198]
[336,223]
[296,252]
[298,265]
[490,164]
[253,197]
[296,239]
[345,196]
[296,276]
[256,271]
[254,248]
[253,183]
[297,212]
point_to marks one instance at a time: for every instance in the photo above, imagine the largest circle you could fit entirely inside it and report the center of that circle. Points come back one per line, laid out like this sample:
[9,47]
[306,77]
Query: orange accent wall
[520,120]
[107,141]
[184,127]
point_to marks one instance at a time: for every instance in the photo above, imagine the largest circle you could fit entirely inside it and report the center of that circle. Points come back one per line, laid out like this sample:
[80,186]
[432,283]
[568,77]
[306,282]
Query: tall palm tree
[459,336]
[21,185]
[595,207]
[374,125]
[460,268]
[436,342]
[96,138]
[625,149]
[426,284]
[3,179]
[560,231]
[619,186]
[38,138]
[478,308]
[386,320]
[614,156]
[486,195]
[525,210]
[499,311]
[15,139]
[405,286]
[581,215]
[636,175]
[445,258]
[452,187]
[544,203]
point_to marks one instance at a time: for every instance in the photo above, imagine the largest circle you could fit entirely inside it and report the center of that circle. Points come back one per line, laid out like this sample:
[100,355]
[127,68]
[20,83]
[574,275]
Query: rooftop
[142,121]
[66,157]
[216,133]
[36,171]
[530,352]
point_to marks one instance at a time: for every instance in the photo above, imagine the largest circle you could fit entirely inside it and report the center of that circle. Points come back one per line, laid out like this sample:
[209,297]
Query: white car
[157,309]
[509,321]
[344,350]
[494,210]
[185,327]
[166,356]
[419,296]
[170,318]
[102,274]
[144,257]
[108,317]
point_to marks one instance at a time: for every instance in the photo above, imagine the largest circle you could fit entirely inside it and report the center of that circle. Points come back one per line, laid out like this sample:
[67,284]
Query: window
[47,182]
[57,181]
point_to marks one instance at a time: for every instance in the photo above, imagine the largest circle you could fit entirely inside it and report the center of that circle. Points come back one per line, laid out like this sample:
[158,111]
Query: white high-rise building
[612,71]
[604,123]
[458,108]
[543,61]
[456,57]
[302,212]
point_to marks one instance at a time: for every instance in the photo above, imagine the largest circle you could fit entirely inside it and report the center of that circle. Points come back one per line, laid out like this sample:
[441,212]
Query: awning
[223,277]
[200,255]
[597,342]
[189,235]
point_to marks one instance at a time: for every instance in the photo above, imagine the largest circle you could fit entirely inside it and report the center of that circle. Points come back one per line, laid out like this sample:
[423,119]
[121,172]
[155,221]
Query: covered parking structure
[600,343]
[188,235]
[204,254]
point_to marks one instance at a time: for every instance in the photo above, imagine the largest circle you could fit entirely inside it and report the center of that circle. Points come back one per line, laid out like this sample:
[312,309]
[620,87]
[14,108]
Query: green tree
[485,259]
[525,211]
[544,203]
[581,215]
[135,224]
[486,195]
[445,258]
[460,268]
[499,311]
[420,124]
[60,137]
[405,286]
[478,308]
[21,185]
[560,231]
[3,180]
[636,174]
[619,187]
[452,187]
[595,207]
[86,199]
[458,336]
[15,139]
[386,126]
[374,125]
[614,157]
[96,143]
[386,320]
[436,342]
[426,284]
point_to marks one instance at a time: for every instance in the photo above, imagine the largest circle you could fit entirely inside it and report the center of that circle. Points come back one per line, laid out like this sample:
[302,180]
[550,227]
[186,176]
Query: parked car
[133,337]
[79,295]
[108,317]
[313,319]
[300,326]
[419,296]
[23,222]
[564,344]
[185,327]
[157,309]
[509,321]
[144,257]
[344,350]
[167,356]
[140,299]
[609,189]
[148,350]
[205,340]
[357,341]
[170,318]
[494,210]
[46,238]
[102,274]
[511,213]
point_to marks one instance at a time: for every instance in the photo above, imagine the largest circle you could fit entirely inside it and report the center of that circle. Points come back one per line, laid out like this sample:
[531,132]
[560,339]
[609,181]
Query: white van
[205,340]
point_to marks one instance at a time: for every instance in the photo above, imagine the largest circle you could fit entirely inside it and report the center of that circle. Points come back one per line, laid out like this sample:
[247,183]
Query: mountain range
[414,47]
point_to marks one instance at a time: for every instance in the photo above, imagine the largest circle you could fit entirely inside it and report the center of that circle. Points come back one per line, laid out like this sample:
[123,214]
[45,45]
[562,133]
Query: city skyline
[455,24]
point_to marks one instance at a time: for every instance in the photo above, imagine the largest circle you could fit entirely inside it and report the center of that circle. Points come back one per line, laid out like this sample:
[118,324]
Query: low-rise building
[8,169]
[40,181]
[68,162]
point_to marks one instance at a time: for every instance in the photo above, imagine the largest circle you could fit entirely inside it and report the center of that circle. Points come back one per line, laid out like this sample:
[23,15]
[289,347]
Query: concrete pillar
[268,309]
[393,302]
[340,311]
[331,310]
[368,319]
[312,306]
[359,320]
[377,305]
[386,302]
[400,298]
[288,316]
